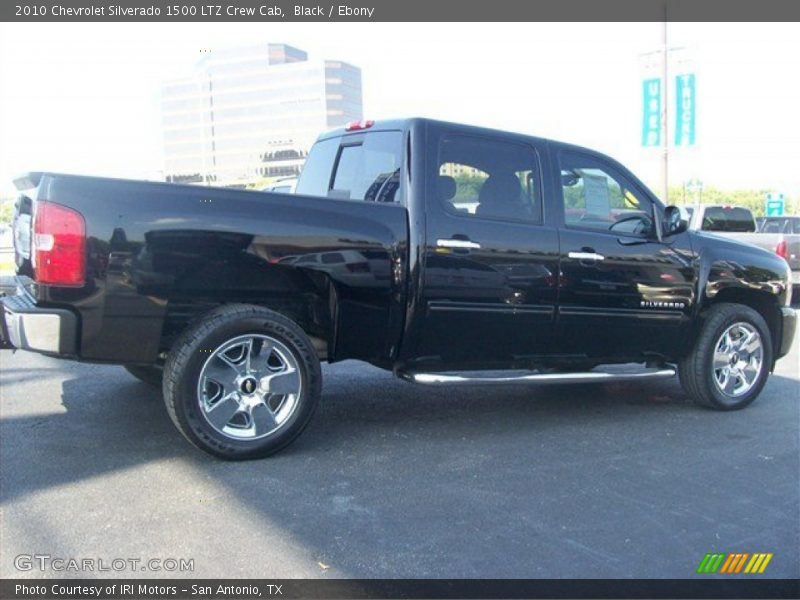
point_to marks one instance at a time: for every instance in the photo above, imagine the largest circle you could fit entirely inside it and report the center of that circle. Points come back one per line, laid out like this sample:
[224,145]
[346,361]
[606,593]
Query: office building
[249,114]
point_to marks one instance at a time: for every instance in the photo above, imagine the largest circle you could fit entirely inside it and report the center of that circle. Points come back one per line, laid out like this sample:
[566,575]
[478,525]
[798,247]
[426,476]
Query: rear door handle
[451,243]
[586,256]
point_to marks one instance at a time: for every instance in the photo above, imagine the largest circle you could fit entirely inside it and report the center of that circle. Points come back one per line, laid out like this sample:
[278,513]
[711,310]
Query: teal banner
[686,116]
[651,119]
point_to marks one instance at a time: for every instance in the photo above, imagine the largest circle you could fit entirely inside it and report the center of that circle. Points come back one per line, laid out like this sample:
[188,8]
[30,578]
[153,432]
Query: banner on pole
[685,118]
[651,120]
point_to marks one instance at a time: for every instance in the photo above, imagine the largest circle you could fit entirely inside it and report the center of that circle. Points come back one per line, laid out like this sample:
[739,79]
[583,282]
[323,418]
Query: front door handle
[586,256]
[461,244]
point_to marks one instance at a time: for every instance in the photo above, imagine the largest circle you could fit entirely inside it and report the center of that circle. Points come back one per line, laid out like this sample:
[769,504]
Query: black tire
[150,374]
[191,351]
[697,372]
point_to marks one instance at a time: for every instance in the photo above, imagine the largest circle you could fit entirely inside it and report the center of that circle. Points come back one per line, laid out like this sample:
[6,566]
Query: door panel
[632,301]
[624,293]
[490,264]
[491,304]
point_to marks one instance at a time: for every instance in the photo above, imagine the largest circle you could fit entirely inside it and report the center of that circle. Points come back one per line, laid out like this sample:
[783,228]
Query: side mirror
[676,220]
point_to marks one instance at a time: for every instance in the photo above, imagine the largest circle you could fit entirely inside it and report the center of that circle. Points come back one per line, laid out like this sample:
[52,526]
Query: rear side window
[732,219]
[355,168]
[488,178]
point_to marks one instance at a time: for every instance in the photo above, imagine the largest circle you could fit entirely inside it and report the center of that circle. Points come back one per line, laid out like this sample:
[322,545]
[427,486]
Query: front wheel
[730,362]
[243,383]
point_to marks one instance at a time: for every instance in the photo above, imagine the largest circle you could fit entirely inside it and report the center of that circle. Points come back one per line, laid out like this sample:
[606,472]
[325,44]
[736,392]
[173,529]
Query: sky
[84,98]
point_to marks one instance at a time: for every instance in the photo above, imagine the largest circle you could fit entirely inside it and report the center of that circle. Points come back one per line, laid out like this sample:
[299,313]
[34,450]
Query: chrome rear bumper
[26,326]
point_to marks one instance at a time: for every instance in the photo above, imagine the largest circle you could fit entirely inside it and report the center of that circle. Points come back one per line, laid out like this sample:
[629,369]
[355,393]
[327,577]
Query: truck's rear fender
[734,273]
[326,264]
[197,271]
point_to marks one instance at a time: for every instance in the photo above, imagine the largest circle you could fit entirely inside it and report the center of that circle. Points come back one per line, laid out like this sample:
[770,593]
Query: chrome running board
[510,377]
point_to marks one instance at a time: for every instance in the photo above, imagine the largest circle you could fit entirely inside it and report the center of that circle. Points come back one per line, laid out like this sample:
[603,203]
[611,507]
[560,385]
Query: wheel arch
[764,303]
[306,299]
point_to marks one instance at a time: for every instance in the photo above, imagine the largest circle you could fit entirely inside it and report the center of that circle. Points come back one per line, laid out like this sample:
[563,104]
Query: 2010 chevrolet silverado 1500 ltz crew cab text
[447,254]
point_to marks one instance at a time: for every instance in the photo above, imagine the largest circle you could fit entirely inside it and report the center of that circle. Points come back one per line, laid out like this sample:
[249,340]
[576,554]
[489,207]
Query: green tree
[6,210]
[752,199]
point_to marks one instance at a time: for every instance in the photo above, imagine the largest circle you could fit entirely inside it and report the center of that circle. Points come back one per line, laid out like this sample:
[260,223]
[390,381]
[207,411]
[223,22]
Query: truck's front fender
[730,271]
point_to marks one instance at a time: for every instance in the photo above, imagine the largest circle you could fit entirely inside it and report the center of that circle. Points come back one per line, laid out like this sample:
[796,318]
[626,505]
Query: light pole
[665,106]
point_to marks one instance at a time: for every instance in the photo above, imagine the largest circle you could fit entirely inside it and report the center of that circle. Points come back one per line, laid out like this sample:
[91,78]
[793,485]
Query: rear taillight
[59,245]
[782,249]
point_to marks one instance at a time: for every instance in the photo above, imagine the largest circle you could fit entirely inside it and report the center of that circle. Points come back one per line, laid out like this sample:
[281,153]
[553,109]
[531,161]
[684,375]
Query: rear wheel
[243,383]
[150,374]
[730,362]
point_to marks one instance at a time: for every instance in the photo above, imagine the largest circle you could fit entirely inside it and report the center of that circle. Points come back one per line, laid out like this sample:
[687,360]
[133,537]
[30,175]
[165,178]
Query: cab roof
[406,123]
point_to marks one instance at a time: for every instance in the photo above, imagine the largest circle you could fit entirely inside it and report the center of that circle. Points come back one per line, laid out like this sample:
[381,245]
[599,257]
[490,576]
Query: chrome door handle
[450,243]
[586,256]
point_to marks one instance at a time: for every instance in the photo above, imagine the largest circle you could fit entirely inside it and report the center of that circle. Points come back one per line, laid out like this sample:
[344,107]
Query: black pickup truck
[445,253]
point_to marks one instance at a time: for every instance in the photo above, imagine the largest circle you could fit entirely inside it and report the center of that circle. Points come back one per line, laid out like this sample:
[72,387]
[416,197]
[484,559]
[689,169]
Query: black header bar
[399,10]
[243,589]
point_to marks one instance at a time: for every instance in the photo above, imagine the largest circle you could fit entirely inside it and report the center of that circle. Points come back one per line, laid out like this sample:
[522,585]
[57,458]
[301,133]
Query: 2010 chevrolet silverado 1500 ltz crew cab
[447,254]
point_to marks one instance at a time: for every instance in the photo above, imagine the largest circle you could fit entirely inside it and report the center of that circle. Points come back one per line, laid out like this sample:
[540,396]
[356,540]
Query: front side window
[596,197]
[487,178]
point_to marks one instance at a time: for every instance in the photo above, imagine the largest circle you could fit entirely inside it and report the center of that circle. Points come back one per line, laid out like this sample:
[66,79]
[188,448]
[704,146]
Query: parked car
[782,236]
[283,186]
[465,256]
[776,234]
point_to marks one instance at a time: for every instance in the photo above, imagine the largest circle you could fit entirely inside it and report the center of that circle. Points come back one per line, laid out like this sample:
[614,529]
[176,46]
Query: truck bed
[159,252]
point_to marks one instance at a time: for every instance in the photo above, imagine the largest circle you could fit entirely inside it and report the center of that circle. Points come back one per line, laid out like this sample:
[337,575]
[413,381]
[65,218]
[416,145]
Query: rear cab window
[364,166]
[728,218]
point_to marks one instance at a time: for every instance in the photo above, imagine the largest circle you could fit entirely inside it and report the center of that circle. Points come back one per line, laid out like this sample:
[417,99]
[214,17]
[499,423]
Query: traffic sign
[694,186]
[774,205]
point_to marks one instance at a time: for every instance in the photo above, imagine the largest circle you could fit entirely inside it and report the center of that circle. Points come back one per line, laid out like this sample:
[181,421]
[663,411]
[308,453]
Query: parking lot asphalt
[397,480]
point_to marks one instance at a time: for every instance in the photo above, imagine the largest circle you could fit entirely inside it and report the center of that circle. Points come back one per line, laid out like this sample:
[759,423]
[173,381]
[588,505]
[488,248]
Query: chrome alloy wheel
[249,387]
[738,359]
